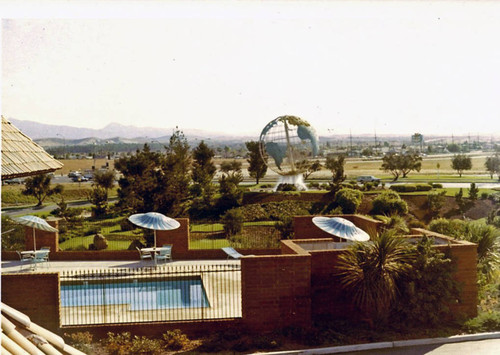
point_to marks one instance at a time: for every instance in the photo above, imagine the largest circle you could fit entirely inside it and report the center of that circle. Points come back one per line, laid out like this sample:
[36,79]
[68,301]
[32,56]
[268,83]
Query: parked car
[79,178]
[88,176]
[15,181]
[367,178]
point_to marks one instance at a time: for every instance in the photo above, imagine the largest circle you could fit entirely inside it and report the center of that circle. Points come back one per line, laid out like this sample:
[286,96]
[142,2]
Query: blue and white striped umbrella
[341,227]
[35,223]
[155,221]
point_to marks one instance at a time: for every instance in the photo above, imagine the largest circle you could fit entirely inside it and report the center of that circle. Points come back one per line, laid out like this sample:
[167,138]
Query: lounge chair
[145,255]
[232,253]
[164,253]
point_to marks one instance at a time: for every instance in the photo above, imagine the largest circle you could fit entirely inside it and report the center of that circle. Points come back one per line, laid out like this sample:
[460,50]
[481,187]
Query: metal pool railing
[165,293]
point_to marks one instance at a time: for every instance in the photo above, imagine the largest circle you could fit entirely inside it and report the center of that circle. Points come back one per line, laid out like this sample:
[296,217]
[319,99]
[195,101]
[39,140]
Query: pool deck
[15,266]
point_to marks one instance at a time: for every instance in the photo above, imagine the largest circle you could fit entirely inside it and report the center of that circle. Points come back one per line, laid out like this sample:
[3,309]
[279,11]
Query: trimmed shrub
[423,187]
[451,227]
[485,322]
[175,339]
[403,188]
[348,199]
[286,187]
[233,222]
[81,341]
[411,187]
[389,203]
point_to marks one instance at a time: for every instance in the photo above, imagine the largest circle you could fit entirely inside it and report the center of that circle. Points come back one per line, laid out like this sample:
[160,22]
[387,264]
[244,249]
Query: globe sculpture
[288,143]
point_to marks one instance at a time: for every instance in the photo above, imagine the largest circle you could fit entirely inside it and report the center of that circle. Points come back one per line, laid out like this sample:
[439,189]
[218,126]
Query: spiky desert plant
[370,271]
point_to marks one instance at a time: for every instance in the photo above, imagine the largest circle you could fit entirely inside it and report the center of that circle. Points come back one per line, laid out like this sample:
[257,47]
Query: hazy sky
[393,67]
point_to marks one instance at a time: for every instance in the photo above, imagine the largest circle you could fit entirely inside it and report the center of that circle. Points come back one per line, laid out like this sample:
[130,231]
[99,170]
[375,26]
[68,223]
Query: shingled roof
[21,156]
[21,336]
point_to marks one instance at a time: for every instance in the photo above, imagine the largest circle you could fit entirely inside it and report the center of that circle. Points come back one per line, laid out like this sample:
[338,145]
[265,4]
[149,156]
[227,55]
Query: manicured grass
[207,227]
[209,244]
[219,227]
[75,242]
[12,195]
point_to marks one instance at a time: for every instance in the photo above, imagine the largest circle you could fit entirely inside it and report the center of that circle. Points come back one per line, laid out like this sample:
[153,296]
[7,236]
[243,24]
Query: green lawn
[76,242]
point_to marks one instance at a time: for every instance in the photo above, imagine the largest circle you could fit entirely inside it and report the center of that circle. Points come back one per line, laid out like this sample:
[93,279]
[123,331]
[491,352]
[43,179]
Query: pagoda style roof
[21,156]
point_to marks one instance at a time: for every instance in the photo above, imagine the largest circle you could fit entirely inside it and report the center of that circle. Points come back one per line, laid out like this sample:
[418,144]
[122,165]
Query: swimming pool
[138,294]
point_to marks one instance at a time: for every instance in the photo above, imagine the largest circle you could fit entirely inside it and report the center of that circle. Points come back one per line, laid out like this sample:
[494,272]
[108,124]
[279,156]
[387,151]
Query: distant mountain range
[113,132]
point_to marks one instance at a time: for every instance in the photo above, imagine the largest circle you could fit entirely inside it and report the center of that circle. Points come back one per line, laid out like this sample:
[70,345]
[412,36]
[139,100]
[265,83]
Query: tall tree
[38,186]
[336,166]
[202,190]
[309,167]
[461,162]
[257,165]
[176,175]
[232,171]
[141,183]
[105,180]
[401,164]
[203,171]
[492,165]
[231,195]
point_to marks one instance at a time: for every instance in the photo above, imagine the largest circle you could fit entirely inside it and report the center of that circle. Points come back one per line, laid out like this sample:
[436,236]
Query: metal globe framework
[287,144]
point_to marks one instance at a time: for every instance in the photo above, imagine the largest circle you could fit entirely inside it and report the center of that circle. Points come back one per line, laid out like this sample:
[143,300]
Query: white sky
[393,67]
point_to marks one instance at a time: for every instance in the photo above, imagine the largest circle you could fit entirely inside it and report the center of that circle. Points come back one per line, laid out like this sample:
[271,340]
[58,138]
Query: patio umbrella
[341,227]
[35,223]
[155,221]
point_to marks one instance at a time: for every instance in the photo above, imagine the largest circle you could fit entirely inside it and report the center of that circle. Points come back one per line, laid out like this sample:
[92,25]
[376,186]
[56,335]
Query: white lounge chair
[232,253]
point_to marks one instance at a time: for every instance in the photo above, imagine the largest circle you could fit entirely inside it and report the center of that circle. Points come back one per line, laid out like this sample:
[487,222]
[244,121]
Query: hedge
[411,187]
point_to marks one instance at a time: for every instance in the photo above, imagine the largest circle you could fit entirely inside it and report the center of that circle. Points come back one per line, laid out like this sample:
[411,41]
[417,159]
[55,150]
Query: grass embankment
[12,195]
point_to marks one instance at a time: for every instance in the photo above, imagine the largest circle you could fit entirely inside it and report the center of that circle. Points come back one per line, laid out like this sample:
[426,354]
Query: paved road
[479,347]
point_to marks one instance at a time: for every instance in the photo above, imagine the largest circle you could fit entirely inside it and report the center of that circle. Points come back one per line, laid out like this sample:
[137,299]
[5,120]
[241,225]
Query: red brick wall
[304,228]
[179,238]
[276,291]
[43,238]
[36,295]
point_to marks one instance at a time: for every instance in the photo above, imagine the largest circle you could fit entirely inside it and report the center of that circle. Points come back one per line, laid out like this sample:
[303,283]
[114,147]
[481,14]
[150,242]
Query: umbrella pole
[34,240]
[154,252]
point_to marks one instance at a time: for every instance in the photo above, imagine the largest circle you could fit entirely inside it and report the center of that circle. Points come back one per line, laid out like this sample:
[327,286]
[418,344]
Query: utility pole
[350,143]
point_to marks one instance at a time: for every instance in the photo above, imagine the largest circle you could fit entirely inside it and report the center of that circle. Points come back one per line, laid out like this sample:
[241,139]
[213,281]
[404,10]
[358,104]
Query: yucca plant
[394,222]
[487,238]
[370,271]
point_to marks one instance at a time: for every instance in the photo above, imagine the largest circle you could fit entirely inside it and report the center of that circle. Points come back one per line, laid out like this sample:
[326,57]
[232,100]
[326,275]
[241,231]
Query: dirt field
[353,167]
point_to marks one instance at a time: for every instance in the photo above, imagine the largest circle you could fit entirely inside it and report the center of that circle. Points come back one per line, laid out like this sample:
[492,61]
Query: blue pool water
[140,295]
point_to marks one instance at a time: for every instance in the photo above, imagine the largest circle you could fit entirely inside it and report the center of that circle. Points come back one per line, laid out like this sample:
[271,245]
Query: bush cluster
[348,199]
[233,222]
[81,341]
[389,203]
[274,211]
[124,343]
[485,322]
[411,187]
